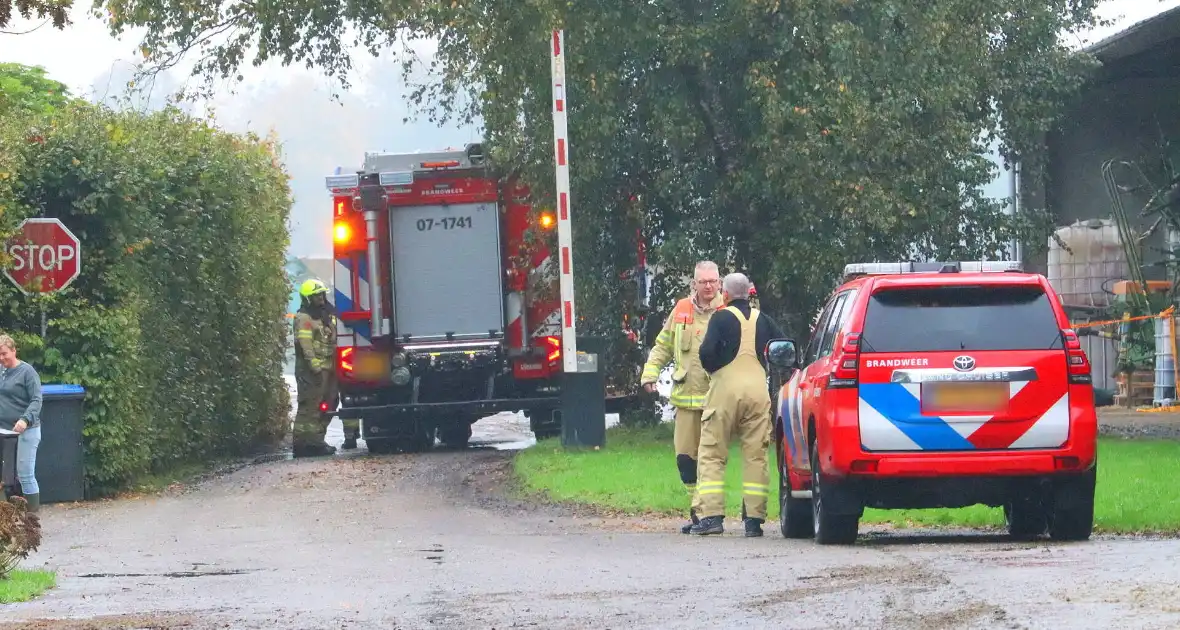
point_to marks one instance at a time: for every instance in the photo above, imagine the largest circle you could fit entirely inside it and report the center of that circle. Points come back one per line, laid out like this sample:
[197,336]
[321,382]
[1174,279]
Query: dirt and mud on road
[434,541]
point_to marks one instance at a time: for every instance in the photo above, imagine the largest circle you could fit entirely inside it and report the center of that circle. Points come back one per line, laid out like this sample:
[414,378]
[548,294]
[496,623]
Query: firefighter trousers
[352,426]
[310,423]
[748,418]
[687,440]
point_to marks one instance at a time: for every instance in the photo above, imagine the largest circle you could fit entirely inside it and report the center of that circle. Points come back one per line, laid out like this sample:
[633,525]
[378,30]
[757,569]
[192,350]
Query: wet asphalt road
[433,541]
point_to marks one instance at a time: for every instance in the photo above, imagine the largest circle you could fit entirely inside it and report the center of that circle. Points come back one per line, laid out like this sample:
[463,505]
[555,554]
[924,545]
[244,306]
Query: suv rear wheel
[794,515]
[1026,517]
[1072,517]
[830,529]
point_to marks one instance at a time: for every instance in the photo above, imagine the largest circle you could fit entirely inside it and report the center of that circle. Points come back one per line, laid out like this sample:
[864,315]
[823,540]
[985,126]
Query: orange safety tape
[1164,313]
[1165,409]
[1175,365]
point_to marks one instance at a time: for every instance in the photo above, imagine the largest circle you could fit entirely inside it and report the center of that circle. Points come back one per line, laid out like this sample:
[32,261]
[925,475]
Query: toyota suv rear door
[961,367]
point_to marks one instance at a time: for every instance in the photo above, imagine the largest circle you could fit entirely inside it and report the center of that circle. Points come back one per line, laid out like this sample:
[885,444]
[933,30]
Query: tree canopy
[55,10]
[783,138]
[27,89]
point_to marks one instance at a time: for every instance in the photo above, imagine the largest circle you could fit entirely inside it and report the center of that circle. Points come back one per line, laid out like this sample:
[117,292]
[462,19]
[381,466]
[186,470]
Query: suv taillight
[1079,365]
[844,370]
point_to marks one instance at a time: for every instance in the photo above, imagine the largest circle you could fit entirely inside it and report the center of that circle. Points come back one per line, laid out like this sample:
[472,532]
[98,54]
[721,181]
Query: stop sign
[46,256]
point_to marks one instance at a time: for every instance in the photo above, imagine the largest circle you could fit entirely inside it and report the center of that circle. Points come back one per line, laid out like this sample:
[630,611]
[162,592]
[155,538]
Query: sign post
[569,343]
[46,258]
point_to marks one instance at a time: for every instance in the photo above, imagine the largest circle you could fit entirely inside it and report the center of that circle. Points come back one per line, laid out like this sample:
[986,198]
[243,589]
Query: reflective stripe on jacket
[678,343]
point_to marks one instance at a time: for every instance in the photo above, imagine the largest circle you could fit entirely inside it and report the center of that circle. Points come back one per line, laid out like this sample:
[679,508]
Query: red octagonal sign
[46,256]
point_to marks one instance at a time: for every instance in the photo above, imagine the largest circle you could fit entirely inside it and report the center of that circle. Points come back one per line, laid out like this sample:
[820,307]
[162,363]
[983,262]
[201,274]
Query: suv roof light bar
[895,268]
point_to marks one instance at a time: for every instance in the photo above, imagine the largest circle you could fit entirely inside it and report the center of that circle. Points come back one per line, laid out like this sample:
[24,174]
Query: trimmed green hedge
[176,324]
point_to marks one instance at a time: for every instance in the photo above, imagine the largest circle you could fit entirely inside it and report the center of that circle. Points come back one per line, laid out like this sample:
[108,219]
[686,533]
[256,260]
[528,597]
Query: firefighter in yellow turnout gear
[312,367]
[738,404]
[678,343]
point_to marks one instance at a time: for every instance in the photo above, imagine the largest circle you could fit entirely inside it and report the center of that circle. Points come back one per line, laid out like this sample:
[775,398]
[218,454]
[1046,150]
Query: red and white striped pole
[569,345]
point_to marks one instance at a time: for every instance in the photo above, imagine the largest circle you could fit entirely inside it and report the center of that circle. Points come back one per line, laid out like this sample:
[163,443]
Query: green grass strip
[21,585]
[636,474]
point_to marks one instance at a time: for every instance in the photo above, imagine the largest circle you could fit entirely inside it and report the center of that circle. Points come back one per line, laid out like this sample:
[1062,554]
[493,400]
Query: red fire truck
[446,302]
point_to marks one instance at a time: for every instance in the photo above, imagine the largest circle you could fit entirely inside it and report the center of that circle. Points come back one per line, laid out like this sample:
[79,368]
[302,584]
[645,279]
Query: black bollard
[583,397]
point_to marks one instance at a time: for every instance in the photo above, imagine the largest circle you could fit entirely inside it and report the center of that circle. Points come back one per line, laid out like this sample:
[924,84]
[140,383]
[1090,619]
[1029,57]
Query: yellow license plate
[372,365]
[982,398]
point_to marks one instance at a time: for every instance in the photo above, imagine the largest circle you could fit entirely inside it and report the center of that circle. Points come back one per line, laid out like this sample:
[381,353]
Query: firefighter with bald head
[737,405]
[678,343]
[312,367]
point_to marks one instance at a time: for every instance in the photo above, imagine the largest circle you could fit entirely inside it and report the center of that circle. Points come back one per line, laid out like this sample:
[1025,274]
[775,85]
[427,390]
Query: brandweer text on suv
[930,385]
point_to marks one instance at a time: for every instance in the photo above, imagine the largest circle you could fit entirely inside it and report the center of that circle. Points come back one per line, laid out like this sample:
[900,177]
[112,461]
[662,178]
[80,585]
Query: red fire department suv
[931,385]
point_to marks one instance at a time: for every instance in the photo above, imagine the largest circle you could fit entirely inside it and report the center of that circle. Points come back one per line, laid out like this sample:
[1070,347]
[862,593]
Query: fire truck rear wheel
[456,434]
[542,424]
[419,440]
[380,446]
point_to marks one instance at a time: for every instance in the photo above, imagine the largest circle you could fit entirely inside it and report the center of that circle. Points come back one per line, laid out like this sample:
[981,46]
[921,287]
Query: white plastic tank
[1084,274]
[1165,377]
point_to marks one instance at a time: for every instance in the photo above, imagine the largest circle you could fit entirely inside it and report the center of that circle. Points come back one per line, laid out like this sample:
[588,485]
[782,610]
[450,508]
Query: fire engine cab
[929,385]
[446,313]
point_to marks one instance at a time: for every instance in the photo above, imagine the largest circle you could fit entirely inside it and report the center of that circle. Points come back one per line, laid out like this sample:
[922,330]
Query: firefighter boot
[707,526]
[753,525]
[352,432]
[687,527]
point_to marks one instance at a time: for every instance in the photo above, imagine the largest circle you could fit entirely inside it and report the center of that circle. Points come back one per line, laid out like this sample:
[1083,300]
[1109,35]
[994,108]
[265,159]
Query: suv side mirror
[782,353]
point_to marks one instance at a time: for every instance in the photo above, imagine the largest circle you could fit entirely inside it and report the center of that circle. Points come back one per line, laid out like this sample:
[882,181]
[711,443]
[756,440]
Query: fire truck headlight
[401,376]
[398,360]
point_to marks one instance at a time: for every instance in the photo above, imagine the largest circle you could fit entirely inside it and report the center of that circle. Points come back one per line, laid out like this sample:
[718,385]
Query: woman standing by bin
[20,411]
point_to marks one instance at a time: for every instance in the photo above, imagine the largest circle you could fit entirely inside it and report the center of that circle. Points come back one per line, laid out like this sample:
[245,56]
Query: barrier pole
[569,343]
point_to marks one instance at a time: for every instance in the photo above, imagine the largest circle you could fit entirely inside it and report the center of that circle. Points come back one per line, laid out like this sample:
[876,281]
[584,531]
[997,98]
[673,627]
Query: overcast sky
[318,134]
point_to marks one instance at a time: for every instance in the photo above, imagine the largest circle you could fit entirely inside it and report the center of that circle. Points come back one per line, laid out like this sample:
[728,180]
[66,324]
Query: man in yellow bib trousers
[733,352]
[678,343]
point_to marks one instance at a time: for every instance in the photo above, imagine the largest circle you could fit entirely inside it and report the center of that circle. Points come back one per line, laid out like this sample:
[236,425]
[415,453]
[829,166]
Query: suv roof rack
[855,270]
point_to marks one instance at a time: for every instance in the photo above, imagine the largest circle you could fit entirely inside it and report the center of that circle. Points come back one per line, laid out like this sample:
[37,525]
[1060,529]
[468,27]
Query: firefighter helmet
[312,287]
